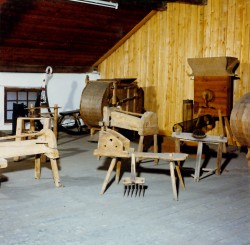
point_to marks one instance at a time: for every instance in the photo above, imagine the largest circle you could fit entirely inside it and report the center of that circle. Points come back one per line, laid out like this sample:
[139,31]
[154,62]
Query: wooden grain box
[222,90]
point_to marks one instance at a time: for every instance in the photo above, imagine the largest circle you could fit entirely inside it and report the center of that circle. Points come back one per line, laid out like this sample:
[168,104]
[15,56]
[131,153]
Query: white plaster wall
[63,89]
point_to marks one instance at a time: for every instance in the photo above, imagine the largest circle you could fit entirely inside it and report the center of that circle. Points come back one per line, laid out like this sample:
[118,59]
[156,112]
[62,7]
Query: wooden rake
[133,183]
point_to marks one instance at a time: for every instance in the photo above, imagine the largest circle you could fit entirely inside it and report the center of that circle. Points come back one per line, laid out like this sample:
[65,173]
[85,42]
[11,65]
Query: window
[27,96]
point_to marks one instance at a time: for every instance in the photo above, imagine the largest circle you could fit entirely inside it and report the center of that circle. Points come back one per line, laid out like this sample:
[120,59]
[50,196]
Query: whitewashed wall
[63,89]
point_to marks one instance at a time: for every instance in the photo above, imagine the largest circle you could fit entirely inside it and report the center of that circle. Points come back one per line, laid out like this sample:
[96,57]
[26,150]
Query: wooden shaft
[55,130]
[114,101]
[133,171]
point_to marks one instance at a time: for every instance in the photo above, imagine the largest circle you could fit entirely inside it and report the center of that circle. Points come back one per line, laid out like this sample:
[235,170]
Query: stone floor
[215,210]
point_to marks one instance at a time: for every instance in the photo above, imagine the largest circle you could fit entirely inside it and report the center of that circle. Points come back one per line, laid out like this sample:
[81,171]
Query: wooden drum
[94,97]
[109,92]
[240,120]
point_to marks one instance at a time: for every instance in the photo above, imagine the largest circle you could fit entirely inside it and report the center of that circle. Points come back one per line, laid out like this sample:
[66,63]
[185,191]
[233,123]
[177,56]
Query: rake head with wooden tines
[133,184]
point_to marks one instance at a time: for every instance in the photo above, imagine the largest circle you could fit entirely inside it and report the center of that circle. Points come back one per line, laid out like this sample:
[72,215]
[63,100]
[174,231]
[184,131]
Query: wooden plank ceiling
[69,36]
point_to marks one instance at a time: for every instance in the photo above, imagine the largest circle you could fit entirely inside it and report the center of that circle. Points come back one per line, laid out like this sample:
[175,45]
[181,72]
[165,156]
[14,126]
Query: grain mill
[213,86]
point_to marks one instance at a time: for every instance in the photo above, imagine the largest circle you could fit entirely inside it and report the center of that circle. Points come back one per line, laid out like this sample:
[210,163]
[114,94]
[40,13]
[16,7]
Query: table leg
[173,181]
[198,162]
[38,166]
[219,157]
[156,147]
[55,172]
[178,150]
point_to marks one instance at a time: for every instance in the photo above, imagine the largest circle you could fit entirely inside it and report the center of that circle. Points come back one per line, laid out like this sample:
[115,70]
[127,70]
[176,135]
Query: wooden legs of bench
[173,181]
[178,170]
[117,163]
[110,170]
[54,169]
[140,146]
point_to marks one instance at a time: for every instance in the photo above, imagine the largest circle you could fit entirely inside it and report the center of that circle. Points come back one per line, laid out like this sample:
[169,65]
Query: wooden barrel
[240,120]
[94,97]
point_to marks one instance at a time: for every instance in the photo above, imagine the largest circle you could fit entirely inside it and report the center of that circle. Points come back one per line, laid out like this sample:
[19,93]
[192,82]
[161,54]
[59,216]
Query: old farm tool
[133,183]
[145,124]
[122,92]
[114,145]
[43,143]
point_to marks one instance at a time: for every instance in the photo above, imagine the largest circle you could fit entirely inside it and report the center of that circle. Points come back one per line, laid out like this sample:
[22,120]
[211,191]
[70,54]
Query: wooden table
[208,139]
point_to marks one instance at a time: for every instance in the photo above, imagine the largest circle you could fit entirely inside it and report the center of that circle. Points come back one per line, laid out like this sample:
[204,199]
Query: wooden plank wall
[157,53]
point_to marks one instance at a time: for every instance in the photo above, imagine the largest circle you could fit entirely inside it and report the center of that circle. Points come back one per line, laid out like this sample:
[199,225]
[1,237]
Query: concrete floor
[215,210]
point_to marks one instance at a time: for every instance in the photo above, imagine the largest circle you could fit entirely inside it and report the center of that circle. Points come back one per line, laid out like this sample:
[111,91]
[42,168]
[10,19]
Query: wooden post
[55,129]
[127,102]
[114,101]
[221,130]
[219,157]
[38,166]
[156,147]
[173,181]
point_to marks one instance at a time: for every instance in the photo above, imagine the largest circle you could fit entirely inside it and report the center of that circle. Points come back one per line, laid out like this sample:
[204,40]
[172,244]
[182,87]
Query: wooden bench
[114,145]
[44,143]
